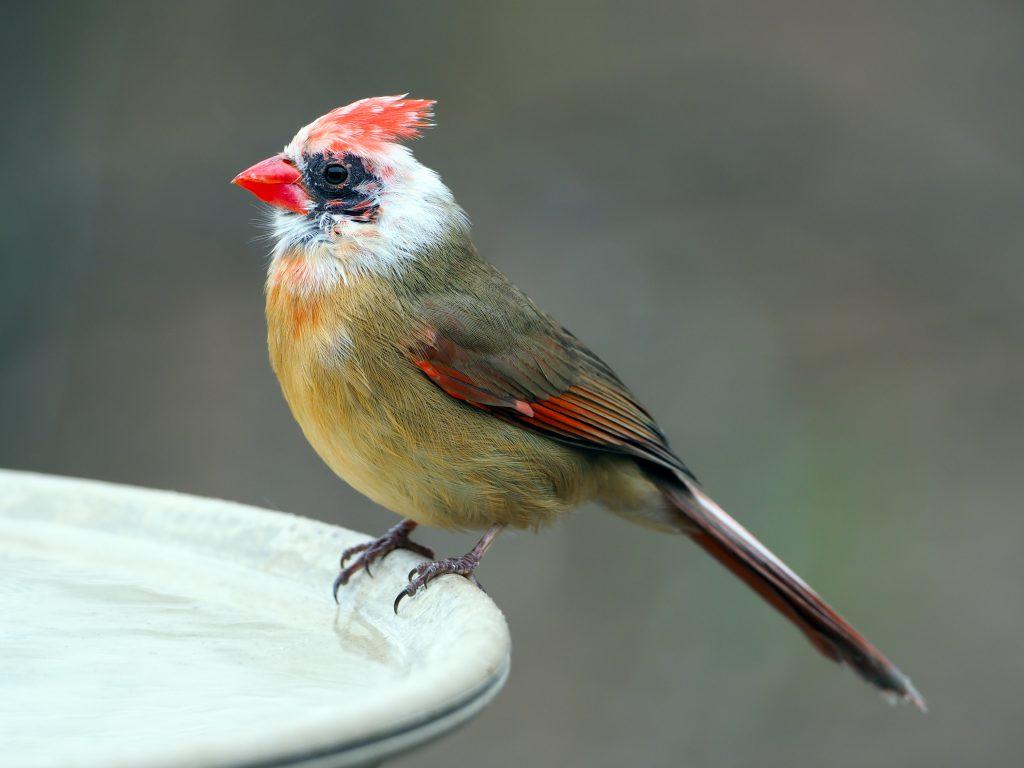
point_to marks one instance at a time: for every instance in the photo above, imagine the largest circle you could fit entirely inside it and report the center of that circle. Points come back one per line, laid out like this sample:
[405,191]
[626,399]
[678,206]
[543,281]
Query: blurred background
[795,229]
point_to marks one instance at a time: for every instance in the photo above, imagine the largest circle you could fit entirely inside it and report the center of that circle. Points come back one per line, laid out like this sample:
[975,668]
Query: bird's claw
[377,549]
[353,551]
[421,576]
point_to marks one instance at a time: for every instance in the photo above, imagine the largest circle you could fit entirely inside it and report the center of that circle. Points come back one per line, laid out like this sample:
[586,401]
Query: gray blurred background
[795,229]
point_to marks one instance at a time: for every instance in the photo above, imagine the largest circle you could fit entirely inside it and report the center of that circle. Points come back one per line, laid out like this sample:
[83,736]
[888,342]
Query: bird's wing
[524,368]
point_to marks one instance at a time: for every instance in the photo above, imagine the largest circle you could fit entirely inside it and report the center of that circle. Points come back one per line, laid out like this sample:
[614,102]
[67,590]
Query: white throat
[313,255]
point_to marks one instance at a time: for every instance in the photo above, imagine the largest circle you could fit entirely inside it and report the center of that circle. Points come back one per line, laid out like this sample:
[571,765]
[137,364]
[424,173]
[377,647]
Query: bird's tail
[733,546]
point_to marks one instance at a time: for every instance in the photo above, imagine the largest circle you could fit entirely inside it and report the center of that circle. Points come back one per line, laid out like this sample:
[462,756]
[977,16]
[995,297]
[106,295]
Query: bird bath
[147,628]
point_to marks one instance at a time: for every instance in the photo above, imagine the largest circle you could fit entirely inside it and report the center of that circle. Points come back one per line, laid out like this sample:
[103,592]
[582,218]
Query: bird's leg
[424,573]
[397,537]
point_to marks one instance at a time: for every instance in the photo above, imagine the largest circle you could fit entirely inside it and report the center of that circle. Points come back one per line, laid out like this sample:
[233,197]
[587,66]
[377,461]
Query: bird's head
[348,196]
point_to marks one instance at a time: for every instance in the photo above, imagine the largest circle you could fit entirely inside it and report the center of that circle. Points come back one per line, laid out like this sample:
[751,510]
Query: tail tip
[904,692]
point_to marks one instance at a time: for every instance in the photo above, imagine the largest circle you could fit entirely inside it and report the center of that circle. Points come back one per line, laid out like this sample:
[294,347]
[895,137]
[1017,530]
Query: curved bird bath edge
[157,629]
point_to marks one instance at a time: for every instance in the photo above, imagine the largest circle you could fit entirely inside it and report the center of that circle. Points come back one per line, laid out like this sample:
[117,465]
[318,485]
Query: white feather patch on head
[416,211]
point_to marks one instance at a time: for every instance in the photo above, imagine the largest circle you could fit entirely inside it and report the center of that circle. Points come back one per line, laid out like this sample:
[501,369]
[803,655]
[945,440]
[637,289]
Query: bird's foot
[370,552]
[424,573]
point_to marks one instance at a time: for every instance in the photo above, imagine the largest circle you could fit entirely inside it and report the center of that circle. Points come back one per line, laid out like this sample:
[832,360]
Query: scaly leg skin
[397,537]
[424,573]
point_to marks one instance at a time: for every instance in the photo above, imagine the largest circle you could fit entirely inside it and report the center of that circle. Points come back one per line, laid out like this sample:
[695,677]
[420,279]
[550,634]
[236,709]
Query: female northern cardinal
[433,385]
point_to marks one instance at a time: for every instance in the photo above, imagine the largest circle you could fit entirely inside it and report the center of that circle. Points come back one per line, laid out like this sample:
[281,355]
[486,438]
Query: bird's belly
[395,437]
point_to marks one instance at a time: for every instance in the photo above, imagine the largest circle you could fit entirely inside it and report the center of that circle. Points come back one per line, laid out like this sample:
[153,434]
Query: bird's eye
[335,174]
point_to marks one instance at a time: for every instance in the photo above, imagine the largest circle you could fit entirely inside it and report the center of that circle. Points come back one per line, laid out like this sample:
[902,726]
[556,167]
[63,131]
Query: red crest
[368,124]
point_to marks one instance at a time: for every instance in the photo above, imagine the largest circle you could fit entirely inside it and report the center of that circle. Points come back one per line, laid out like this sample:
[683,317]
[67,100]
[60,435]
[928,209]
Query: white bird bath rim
[157,629]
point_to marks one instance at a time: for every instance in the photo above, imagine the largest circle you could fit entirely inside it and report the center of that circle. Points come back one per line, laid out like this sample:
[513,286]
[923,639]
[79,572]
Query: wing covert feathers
[549,383]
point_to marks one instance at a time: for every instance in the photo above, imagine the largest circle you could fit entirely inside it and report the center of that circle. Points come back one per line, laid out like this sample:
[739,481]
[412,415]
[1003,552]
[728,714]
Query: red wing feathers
[461,387]
[551,384]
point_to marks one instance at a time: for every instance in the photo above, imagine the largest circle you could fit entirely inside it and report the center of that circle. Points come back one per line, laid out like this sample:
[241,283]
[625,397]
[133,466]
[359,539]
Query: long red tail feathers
[733,546]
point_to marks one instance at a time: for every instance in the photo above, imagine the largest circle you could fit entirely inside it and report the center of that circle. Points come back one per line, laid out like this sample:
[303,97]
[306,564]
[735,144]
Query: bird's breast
[337,358]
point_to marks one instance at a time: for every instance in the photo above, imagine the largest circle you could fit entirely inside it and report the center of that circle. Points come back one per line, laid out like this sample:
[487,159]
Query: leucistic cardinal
[428,381]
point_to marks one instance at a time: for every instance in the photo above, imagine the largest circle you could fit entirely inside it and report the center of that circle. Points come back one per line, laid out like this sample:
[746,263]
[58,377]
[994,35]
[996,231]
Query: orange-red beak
[275,181]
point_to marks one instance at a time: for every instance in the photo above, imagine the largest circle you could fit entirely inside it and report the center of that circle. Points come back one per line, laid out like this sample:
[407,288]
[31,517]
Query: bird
[430,383]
